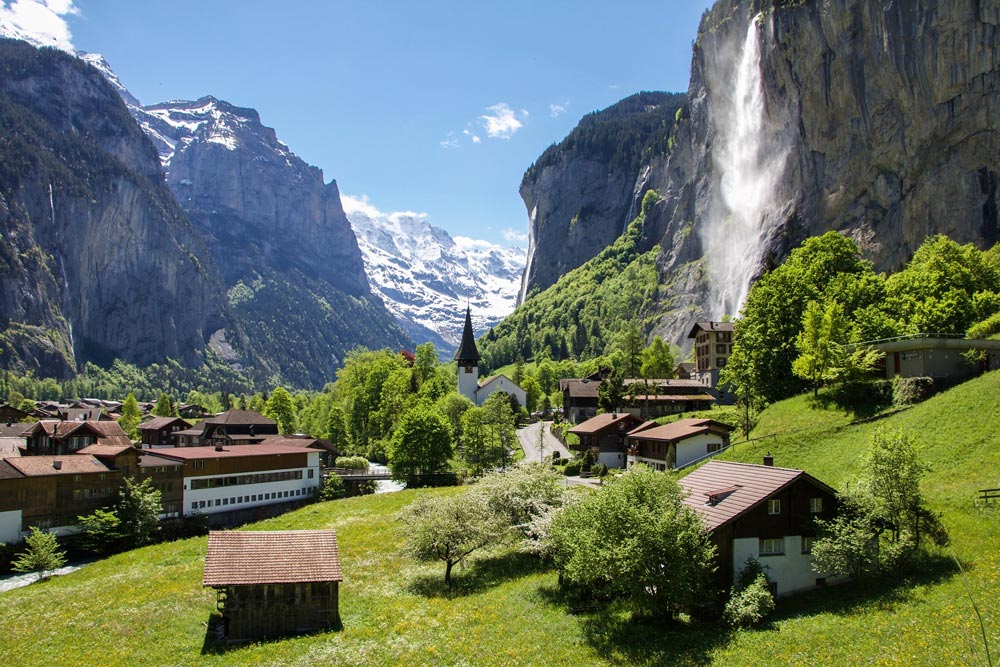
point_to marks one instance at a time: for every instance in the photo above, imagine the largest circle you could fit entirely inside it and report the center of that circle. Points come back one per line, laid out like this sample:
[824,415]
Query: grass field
[147,607]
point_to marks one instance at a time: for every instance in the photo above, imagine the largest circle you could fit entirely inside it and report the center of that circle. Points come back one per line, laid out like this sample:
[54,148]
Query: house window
[772,546]
[807,544]
[774,506]
[199,465]
[815,505]
[714,447]
[311,473]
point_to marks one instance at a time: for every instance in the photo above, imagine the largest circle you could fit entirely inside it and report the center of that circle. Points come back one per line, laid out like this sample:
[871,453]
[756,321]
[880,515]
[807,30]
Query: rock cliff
[581,193]
[97,261]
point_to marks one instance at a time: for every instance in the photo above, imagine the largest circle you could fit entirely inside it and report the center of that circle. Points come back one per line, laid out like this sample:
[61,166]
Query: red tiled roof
[70,464]
[602,422]
[105,450]
[235,451]
[7,471]
[679,430]
[746,484]
[271,557]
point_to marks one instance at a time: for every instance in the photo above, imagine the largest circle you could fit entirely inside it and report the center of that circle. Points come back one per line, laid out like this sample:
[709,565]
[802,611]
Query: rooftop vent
[57,465]
[768,459]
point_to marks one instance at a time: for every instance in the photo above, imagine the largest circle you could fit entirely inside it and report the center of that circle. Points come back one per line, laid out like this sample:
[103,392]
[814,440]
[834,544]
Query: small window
[225,501]
[311,473]
[807,544]
[774,506]
[772,547]
[815,505]
[714,447]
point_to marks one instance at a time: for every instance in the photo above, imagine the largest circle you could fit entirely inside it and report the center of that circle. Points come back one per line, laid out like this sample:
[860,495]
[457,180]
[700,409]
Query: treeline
[803,321]
[588,312]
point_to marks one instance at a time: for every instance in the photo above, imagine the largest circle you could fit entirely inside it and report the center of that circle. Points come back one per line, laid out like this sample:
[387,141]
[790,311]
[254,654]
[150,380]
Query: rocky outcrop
[581,193]
[97,262]
[279,235]
[885,115]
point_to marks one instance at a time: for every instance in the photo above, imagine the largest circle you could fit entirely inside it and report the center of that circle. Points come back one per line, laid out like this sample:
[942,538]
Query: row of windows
[776,546]
[253,498]
[255,478]
[774,505]
[104,492]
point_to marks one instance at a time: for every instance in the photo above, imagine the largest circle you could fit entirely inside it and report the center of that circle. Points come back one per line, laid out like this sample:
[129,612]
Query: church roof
[467,351]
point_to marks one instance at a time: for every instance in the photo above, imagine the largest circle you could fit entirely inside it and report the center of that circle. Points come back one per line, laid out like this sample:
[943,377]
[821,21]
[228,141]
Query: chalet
[82,414]
[161,431]
[167,476]
[762,512]
[684,370]
[605,436]
[192,411]
[223,479]
[327,451]
[580,396]
[675,445]
[233,427]
[934,355]
[50,492]
[650,399]
[51,437]
[10,414]
[274,583]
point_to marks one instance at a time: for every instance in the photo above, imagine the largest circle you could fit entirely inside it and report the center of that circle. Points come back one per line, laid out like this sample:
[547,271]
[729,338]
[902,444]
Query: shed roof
[271,557]
[602,422]
[105,450]
[738,488]
[156,423]
[681,429]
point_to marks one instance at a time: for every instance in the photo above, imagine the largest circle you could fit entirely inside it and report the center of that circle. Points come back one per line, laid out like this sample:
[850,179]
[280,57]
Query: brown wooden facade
[263,611]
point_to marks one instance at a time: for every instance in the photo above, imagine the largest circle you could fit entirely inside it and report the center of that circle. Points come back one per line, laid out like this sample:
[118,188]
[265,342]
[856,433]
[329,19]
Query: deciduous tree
[131,417]
[421,445]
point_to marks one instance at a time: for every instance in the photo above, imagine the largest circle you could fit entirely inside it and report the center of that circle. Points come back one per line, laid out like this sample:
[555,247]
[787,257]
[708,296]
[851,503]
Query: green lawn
[147,607]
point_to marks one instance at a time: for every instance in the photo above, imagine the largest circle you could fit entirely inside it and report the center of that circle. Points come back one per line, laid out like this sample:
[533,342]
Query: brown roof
[11,447]
[111,433]
[580,388]
[156,423]
[240,417]
[602,422]
[70,464]
[14,430]
[271,557]
[105,450]
[669,398]
[235,451]
[7,471]
[738,487]
[681,429]
[313,443]
[147,460]
[709,326]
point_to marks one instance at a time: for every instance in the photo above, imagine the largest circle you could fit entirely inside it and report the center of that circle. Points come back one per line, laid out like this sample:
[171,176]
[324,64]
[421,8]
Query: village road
[529,442]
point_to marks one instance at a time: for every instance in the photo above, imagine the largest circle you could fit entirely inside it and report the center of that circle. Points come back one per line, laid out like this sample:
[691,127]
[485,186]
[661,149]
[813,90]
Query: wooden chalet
[274,583]
[234,427]
[11,415]
[674,445]
[762,512]
[167,477]
[654,398]
[605,436]
[51,437]
[161,431]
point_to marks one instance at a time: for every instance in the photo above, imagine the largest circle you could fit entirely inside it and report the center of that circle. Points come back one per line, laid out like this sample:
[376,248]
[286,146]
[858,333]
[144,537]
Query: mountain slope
[97,260]
[426,278]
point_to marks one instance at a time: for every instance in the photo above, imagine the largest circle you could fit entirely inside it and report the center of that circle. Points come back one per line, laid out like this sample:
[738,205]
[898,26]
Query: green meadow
[147,607]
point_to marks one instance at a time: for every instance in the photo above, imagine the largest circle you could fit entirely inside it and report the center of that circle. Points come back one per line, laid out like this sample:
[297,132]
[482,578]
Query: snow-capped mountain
[426,277]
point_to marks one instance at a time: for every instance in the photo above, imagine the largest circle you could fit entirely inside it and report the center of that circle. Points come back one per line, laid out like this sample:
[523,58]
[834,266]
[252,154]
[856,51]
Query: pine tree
[42,554]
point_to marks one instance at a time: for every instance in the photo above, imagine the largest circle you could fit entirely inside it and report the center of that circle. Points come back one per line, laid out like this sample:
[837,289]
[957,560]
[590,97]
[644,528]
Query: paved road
[529,442]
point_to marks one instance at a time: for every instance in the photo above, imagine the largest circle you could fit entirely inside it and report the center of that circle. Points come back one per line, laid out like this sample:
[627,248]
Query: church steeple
[468,353]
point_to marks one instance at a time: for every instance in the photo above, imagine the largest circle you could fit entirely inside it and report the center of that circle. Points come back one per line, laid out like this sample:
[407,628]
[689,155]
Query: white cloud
[451,141]
[358,205]
[501,122]
[476,139]
[40,22]
[556,110]
[514,236]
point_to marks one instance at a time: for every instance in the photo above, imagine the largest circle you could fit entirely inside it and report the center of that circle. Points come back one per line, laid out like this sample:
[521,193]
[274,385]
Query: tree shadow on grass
[482,574]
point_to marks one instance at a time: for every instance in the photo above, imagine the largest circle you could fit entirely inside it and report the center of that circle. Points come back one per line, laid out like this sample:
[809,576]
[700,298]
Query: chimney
[768,459]
[219,448]
[57,465]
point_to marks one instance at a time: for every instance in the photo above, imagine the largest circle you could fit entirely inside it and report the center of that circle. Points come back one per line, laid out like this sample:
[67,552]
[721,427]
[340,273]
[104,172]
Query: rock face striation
[875,119]
[581,193]
[97,261]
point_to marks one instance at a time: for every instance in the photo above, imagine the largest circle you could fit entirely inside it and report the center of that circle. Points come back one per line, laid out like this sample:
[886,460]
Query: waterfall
[531,255]
[750,162]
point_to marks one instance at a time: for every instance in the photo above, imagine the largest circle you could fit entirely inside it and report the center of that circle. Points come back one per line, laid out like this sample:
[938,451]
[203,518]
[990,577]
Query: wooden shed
[274,583]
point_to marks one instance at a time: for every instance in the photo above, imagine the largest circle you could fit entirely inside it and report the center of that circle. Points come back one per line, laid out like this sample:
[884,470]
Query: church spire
[468,354]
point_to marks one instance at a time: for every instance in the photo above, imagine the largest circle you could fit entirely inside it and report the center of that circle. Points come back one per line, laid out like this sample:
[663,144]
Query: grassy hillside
[148,607]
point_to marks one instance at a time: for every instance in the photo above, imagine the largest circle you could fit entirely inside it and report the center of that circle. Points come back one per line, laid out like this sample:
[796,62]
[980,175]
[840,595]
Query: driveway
[528,436]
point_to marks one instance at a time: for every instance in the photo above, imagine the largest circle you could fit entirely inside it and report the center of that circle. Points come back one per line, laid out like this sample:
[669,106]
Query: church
[468,371]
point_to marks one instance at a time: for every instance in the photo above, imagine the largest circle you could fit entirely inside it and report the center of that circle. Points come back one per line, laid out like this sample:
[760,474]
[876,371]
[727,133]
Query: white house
[678,443]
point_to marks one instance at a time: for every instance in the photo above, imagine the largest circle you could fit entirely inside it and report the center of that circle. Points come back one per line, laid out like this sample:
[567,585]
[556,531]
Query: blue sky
[420,105]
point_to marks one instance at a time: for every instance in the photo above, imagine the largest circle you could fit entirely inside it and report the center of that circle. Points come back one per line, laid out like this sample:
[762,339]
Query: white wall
[612,459]
[298,489]
[10,526]
[499,384]
[695,447]
[791,571]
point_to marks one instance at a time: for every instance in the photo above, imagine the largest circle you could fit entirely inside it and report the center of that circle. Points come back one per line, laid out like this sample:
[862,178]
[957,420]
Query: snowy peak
[425,277]
[97,61]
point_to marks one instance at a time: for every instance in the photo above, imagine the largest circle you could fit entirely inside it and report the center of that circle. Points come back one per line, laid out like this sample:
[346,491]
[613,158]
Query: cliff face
[97,261]
[877,119]
[581,193]
[279,235]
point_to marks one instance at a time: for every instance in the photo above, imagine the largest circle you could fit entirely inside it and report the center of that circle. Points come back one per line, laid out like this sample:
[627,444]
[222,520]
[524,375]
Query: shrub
[351,462]
[599,470]
[333,488]
[909,391]
[572,468]
[751,605]
[556,458]
[588,459]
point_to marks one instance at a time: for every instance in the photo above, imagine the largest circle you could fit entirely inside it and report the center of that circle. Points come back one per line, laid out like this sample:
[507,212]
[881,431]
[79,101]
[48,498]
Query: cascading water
[531,256]
[750,161]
